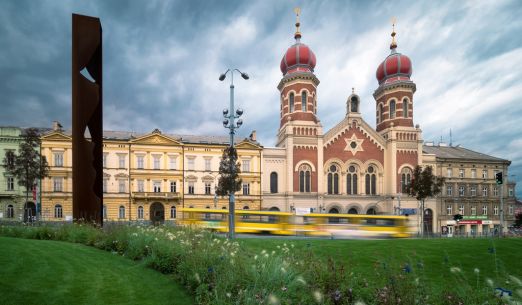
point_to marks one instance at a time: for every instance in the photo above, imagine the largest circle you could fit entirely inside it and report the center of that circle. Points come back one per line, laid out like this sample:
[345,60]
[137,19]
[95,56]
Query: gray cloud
[162,60]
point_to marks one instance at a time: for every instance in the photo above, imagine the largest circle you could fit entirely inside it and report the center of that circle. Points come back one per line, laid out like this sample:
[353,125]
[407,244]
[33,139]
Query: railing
[155,195]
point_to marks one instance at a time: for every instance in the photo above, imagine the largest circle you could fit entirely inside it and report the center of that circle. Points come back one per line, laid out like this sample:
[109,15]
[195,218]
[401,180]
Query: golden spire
[393,44]
[297,34]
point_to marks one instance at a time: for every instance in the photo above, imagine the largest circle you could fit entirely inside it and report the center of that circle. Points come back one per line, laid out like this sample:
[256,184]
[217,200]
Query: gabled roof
[459,153]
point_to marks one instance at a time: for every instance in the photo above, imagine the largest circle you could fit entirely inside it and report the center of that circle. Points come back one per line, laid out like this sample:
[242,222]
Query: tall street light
[230,115]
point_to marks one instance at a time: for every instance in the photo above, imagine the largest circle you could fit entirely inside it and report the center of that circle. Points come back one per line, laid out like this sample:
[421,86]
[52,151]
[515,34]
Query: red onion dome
[298,58]
[394,68]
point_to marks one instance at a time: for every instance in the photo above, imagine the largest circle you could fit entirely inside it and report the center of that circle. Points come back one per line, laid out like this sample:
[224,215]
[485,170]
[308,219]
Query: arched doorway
[353,211]
[30,212]
[273,219]
[371,211]
[428,221]
[333,219]
[157,213]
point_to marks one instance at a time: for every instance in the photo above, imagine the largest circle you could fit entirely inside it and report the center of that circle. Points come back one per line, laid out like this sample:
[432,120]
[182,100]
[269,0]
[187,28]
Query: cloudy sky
[162,60]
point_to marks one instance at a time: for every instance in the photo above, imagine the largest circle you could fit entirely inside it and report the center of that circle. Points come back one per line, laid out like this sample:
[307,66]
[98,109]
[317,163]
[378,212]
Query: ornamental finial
[393,44]
[297,34]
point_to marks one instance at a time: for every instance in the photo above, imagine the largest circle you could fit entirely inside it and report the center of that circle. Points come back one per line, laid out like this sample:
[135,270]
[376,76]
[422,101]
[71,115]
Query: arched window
[371,181]
[381,113]
[304,178]
[172,212]
[353,211]
[351,180]
[392,109]
[58,211]
[405,107]
[333,219]
[121,212]
[354,104]
[405,179]
[303,101]
[140,212]
[10,211]
[273,182]
[291,102]
[333,179]
[371,211]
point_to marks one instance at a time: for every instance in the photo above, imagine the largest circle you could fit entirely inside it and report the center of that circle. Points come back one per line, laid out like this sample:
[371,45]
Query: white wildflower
[229,294]
[489,282]
[476,270]
[359,303]
[455,269]
[300,280]
[196,276]
[318,296]
[273,300]
[283,269]
[255,257]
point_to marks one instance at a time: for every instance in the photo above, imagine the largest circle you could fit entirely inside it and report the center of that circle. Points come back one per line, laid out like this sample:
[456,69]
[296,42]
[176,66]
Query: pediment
[56,136]
[337,132]
[245,144]
[155,139]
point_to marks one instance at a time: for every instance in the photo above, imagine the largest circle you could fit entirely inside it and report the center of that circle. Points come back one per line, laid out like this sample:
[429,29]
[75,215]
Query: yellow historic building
[148,177]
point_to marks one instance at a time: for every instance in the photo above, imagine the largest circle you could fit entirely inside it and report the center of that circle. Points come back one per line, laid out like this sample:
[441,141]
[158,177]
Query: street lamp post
[230,115]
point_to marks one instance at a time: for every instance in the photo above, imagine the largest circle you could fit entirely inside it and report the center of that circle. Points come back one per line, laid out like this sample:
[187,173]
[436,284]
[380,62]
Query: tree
[28,166]
[518,220]
[423,185]
[229,181]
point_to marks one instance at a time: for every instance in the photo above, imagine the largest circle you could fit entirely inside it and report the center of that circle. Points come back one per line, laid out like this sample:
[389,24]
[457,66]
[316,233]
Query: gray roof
[457,152]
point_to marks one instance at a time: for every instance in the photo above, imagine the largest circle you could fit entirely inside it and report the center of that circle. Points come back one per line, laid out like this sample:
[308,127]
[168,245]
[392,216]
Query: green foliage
[424,184]
[229,181]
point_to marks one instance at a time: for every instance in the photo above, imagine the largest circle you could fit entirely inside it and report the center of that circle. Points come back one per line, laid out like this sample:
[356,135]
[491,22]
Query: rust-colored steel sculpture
[87,126]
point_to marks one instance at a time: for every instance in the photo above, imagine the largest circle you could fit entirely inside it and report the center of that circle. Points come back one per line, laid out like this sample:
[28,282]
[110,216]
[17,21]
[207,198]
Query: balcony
[156,195]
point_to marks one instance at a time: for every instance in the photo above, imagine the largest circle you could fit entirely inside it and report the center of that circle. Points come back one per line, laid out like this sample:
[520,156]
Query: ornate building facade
[352,167]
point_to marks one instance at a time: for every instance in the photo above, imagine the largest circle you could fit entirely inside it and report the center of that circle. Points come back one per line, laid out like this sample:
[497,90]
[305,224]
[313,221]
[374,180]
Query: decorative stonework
[353,144]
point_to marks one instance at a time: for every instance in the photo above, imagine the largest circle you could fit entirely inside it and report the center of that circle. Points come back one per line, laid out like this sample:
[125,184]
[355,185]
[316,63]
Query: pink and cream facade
[352,167]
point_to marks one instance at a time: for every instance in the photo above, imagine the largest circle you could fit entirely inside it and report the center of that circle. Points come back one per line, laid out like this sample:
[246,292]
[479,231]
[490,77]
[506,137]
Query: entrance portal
[428,221]
[30,212]
[157,213]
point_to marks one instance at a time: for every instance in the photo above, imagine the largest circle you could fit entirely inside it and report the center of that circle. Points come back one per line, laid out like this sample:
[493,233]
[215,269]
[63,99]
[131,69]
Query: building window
[333,179]
[291,102]
[121,186]
[156,186]
[140,212]
[381,113]
[140,162]
[495,191]
[449,190]
[208,165]
[10,157]
[473,173]
[484,210]
[485,191]
[121,161]
[172,212]
[104,160]
[273,182]
[104,183]
[191,187]
[473,191]
[141,186]
[461,209]
[246,189]
[58,211]
[351,180]
[246,166]
[191,162]
[353,104]
[10,211]
[405,179]
[495,210]
[121,212]
[173,187]
[510,210]
[58,159]
[304,178]
[57,184]
[392,109]
[461,173]
[462,191]
[405,108]
[450,172]
[207,188]
[371,181]
[510,192]
[473,210]
[449,209]
[104,211]
[172,163]
[303,101]
[157,162]
[10,183]
[485,174]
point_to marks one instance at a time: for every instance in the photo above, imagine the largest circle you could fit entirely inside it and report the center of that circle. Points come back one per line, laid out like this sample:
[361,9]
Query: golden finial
[393,44]
[297,12]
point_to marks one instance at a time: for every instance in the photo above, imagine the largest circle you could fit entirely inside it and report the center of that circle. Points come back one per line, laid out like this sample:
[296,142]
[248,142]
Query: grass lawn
[431,258]
[50,272]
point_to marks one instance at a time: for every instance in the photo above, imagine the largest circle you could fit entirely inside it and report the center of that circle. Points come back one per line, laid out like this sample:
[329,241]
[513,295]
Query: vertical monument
[87,126]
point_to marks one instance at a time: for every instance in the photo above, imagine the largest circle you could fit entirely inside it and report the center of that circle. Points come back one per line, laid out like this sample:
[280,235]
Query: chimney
[253,136]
